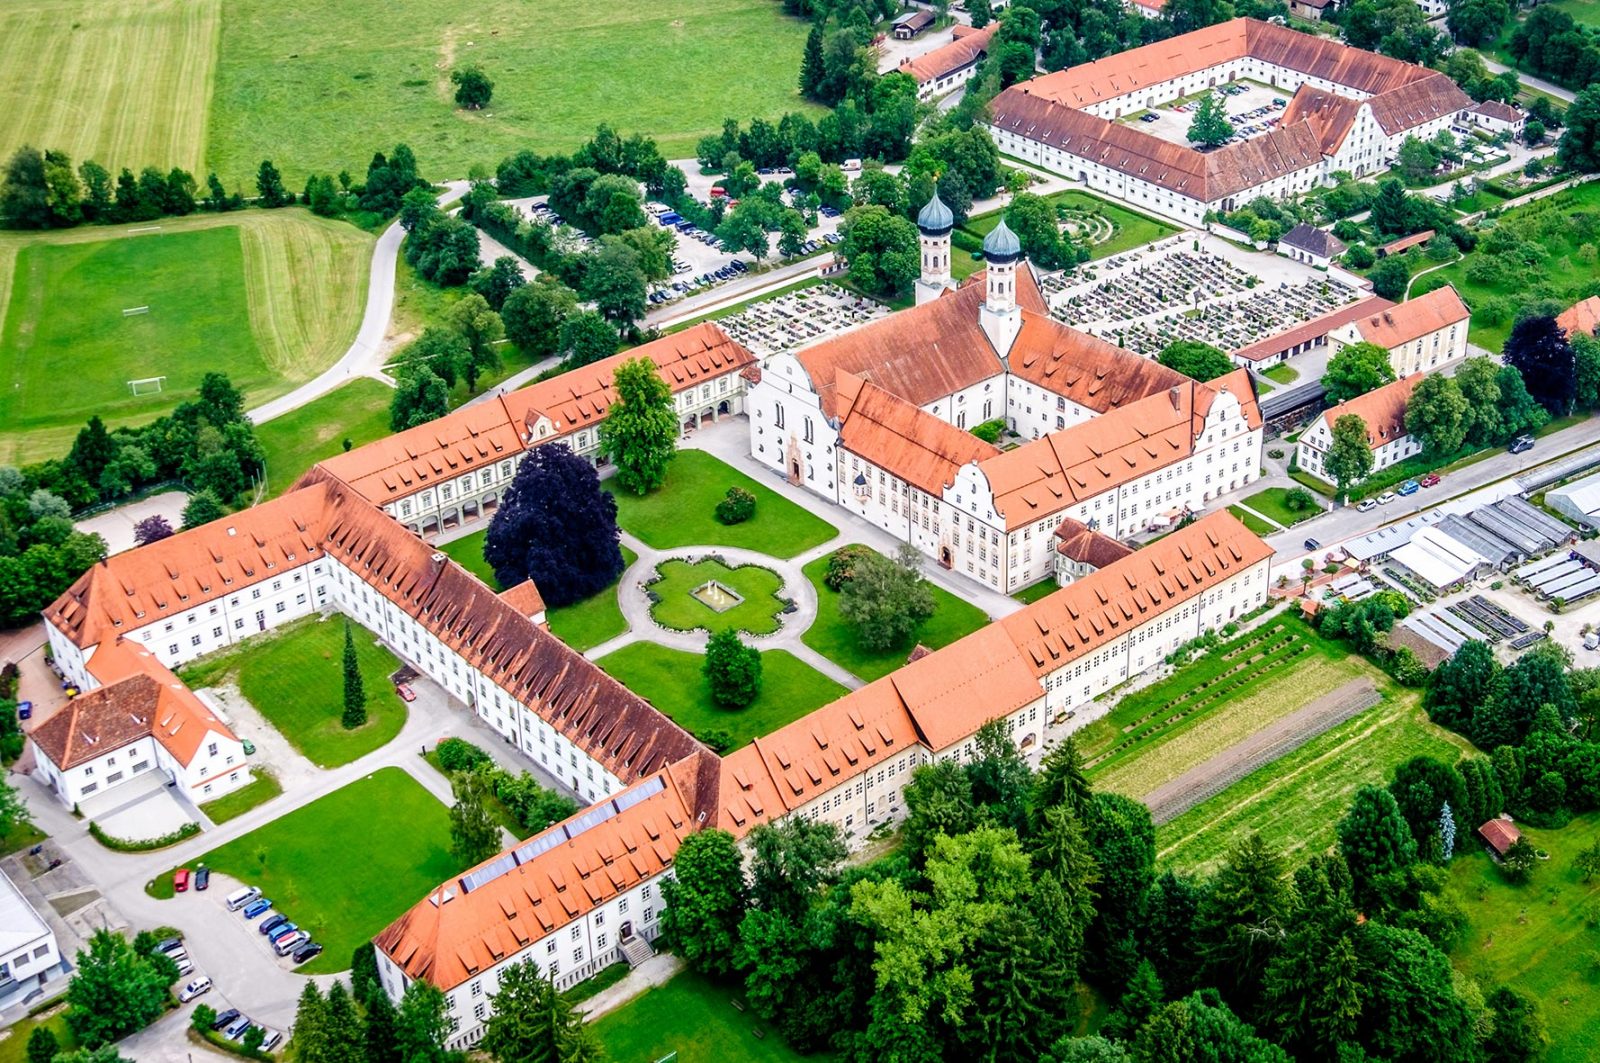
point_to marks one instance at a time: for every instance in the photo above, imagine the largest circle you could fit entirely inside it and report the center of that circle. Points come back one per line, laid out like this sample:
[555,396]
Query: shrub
[1298,500]
[136,845]
[1359,256]
[736,507]
[842,565]
[989,431]
[457,754]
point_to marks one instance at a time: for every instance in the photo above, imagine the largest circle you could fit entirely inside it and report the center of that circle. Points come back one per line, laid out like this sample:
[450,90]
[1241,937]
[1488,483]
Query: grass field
[671,681]
[226,292]
[346,865]
[1537,937]
[357,411]
[123,82]
[679,513]
[1562,268]
[830,636]
[258,791]
[1043,589]
[582,625]
[693,1017]
[1131,229]
[14,1049]
[1253,522]
[294,678]
[320,94]
[680,610]
[1294,802]
[1270,503]
[1283,374]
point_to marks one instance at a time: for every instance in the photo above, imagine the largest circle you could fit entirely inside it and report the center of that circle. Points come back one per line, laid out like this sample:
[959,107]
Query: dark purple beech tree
[1539,350]
[556,527]
[151,530]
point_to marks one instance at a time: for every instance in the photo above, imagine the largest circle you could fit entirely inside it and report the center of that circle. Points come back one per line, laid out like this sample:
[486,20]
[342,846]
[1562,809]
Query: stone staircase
[636,950]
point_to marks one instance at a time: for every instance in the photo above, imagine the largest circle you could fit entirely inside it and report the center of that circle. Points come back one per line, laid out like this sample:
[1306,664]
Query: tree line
[207,444]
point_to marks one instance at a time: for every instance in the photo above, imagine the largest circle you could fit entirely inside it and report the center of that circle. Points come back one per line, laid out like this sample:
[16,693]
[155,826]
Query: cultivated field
[316,93]
[123,82]
[271,298]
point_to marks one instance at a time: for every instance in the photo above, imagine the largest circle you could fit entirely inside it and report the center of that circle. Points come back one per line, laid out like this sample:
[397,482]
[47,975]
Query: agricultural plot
[123,82]
[87,310]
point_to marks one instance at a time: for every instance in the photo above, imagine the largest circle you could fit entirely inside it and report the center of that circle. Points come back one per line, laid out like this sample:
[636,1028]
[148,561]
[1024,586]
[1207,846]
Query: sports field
[270,298]
[123,82]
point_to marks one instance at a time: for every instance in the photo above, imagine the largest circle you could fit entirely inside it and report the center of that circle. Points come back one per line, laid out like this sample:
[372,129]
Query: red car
[1429,480]
[180,879]
[405,692]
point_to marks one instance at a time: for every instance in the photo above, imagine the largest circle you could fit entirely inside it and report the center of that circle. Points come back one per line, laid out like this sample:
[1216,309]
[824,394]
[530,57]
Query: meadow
[224,292]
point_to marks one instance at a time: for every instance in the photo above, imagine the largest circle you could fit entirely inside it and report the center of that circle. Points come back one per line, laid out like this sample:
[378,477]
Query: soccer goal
[149,385]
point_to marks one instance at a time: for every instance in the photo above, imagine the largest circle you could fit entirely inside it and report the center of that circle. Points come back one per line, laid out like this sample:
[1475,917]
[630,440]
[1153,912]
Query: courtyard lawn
[679,513]
[346,865]
[680,610]
[294,678]
[694,1018]
[1283,374]
[1128,228]
[1538,937]
[258,791]
[357,411]
[123,82]
[1253,522]
[830,636]
[224,292]
[14,1049]
[380,74]
[581,625]
[1043,589]
[1561,269]
[1269,502]
[671,681]
[1295,801]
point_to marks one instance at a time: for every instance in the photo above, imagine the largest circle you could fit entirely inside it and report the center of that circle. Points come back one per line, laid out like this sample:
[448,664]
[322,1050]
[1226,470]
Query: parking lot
[1252,108]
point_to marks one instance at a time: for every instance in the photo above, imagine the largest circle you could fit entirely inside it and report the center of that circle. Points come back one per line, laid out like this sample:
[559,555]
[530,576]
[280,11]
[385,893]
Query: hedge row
[126,845]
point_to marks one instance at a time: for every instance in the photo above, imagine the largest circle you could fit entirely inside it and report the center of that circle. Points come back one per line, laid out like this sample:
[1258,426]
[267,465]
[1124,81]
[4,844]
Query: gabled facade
[1422,335]
[1382,410]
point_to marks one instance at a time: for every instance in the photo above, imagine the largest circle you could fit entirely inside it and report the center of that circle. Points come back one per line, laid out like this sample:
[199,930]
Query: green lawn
[1129,228]
[1295,801]
[1561,270]
[223,292]
[830,636]
[1538,937]
[679,513]
[681,611]
[294,678]
[14,1049]
[694,1018]
[1270,503]
[379,73]
[671,681]
[1283,374]
[1043,589]
[582,625]
[1251,521]
[1586,12]
[357,411]
[346,865]
[258,791]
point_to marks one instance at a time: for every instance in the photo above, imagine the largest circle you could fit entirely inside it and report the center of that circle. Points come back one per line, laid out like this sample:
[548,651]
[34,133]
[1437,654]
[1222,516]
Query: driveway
[140,808]
[115,526]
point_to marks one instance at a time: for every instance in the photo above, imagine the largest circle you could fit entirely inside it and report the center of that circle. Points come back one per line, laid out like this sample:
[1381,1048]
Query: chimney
[1172,393]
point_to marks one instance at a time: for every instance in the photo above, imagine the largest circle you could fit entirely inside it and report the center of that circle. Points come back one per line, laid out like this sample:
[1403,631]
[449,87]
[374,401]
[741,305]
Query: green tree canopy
[1437,414]
[885,601]
[640,434]
[705,900]
[1349,457]
[732,670]
[1357,369]
[1209,126]
[1196,360]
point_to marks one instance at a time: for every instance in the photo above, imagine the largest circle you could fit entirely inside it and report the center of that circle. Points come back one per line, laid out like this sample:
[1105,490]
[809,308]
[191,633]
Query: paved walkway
[653,972]
[363,356]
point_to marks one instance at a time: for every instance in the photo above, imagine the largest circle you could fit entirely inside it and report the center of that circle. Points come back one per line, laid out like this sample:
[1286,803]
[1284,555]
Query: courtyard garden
[99,307]
[691,1019]
[262,787]
[831,636]
[1251,521]
[1106,228]
[1537,937]
[294,678]
[710,596]
[681,512]
[1286,505]
[344,866]
[671,680]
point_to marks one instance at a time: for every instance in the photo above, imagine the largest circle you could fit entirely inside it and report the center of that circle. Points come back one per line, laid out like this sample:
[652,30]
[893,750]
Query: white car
[1367,506]
[193,989]
[1385,498]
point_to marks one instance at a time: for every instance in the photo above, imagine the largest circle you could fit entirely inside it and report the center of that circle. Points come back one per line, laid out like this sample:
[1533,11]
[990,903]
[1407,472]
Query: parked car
[1521,444]
[202,877]
[1385,498]
[308,950]
[287,945]
[1410,487]
[180,880]
[225,1018]
[256,907]
[241,897]
[272,922]
[24,710]
[170,945]
[1367,506]
[249,747]
[1312,544]
[235,1029]
[193,989]
[271,1038]
[283,931]
[405,692]
[1430,480]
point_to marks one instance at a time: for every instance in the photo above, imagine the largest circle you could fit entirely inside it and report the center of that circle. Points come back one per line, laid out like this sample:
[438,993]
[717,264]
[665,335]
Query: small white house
[1315,247]
[1383,411]
[29,955]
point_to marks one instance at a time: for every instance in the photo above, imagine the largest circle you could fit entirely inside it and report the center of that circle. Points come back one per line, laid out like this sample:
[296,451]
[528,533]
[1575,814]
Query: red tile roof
[965,49]
[1315,329]
[1079,542]
[1382,410]
[1085,369]
[400,465]
[1397,325]
[918,447]
[1501,834]
[1582,316]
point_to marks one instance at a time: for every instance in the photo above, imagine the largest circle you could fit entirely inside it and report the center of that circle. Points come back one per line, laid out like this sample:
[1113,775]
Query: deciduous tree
[1437,415]
[885,601]
[1357,369]
[419,396]
[1196,360]
[705,900]
[114,992]
[640,433]
[482,329]
[498,281]
[1538,349]
[474,834]
[1210,126]
[882,250]
[732,670]
[1580,143]
[534,313]
[556,527]
[473,87]
[1349,457]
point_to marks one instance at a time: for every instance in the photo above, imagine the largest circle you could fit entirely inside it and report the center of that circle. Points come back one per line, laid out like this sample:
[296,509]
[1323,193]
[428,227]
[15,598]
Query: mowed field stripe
[298,279]
[124,82]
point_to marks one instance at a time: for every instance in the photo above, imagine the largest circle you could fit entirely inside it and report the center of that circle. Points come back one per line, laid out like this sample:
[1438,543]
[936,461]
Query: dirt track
[1203,781]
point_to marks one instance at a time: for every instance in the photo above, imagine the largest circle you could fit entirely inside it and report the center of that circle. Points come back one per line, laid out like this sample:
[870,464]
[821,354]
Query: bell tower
[1001,320]
[934,223]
